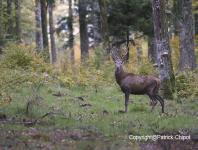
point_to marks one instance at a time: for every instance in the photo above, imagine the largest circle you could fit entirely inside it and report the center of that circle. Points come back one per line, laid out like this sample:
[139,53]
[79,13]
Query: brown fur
[137,84]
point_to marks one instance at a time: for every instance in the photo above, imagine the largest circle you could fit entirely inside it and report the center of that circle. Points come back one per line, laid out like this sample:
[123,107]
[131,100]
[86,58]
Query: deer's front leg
[126,101]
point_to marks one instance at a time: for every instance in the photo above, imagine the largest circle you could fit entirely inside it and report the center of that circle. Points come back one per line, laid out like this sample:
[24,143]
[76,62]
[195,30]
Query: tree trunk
[95,20]
[186,37]
[10,18]
[127,43]
[196,23]
[52,39]
[44,24]
[18,19]
[152,55]
[70,25]
[163,49]
[70,28]
[175,11]
[139,54]
[1,18]
[38,36]
[104,24]
[84,43]
[1,25]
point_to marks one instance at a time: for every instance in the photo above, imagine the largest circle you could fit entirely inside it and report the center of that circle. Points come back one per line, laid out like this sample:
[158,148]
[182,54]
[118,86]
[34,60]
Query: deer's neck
[119,74]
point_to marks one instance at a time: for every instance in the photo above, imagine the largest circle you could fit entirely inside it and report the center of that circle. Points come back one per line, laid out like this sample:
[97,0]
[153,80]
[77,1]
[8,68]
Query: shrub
[187,84]
[146,68]
[20,65]
[25,57]
[16,56]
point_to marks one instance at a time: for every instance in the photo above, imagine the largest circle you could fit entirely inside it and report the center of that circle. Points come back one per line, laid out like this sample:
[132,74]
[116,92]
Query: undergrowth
[85,96]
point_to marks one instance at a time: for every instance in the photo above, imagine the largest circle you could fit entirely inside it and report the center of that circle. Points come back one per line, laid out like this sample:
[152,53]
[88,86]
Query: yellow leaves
[67,80]
[186,85]
[5,99]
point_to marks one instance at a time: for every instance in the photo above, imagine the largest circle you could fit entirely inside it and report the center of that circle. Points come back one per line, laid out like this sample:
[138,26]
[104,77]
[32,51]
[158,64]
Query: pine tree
[84,42]
[18,19]
[44,24]
[51,26]
[38,35]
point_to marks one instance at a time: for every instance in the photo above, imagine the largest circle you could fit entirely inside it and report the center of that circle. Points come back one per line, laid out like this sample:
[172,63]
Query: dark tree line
[10,20]
[42,8]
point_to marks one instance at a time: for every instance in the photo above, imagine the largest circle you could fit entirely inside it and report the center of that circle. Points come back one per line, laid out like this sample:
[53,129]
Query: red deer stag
[135,84]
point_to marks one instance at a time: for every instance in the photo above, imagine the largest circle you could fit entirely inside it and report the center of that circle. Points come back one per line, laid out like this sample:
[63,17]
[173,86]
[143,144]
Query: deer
[135,84]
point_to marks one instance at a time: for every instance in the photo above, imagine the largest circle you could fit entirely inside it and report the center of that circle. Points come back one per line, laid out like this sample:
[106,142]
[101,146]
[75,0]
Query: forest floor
[84,117]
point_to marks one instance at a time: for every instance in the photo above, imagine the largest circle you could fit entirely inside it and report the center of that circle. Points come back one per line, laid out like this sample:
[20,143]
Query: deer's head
[118,58]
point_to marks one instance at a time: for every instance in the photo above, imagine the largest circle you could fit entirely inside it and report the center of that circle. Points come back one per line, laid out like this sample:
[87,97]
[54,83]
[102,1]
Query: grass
[99,111]
[82,109]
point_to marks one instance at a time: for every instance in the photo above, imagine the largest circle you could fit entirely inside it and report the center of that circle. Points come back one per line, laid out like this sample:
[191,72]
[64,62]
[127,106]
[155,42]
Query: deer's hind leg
[161,100]
[153,102]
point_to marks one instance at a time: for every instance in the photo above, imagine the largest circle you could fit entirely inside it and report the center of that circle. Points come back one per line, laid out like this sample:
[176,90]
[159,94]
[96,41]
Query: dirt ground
[49,139]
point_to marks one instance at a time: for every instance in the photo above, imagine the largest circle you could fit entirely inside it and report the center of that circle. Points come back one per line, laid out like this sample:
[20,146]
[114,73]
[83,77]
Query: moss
[167,89]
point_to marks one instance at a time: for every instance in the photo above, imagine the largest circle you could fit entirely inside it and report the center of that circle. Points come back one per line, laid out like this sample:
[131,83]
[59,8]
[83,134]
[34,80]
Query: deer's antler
[124,56]
[114,54]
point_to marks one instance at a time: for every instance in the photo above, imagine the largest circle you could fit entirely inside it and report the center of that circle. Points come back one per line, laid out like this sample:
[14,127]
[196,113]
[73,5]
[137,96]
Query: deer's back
[136,84]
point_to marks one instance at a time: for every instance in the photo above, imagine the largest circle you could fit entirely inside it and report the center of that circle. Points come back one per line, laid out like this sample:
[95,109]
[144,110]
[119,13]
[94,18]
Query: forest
[99,74]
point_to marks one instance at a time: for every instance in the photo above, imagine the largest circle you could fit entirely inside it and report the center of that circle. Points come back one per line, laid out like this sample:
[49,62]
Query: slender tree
[1,19]
[70,28]
[51,26]
[186,36]
[163,49]
[175,15]
[18,19]
[10,17]
[139,54]
[1,25]
[95,21]
[84,42]
[152,55]
[38,35]
[196,23]
[70,25]
[104,23]
[44,24]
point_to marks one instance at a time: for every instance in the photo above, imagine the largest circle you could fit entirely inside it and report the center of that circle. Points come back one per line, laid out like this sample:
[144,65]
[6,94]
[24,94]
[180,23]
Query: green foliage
[146,68]
[99,56]
[102,115]
[175,52]
[24,57]
[16,56]
[93,81]
[130,15]
[187,85]
[94,72]
[139,108]
[20,66]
